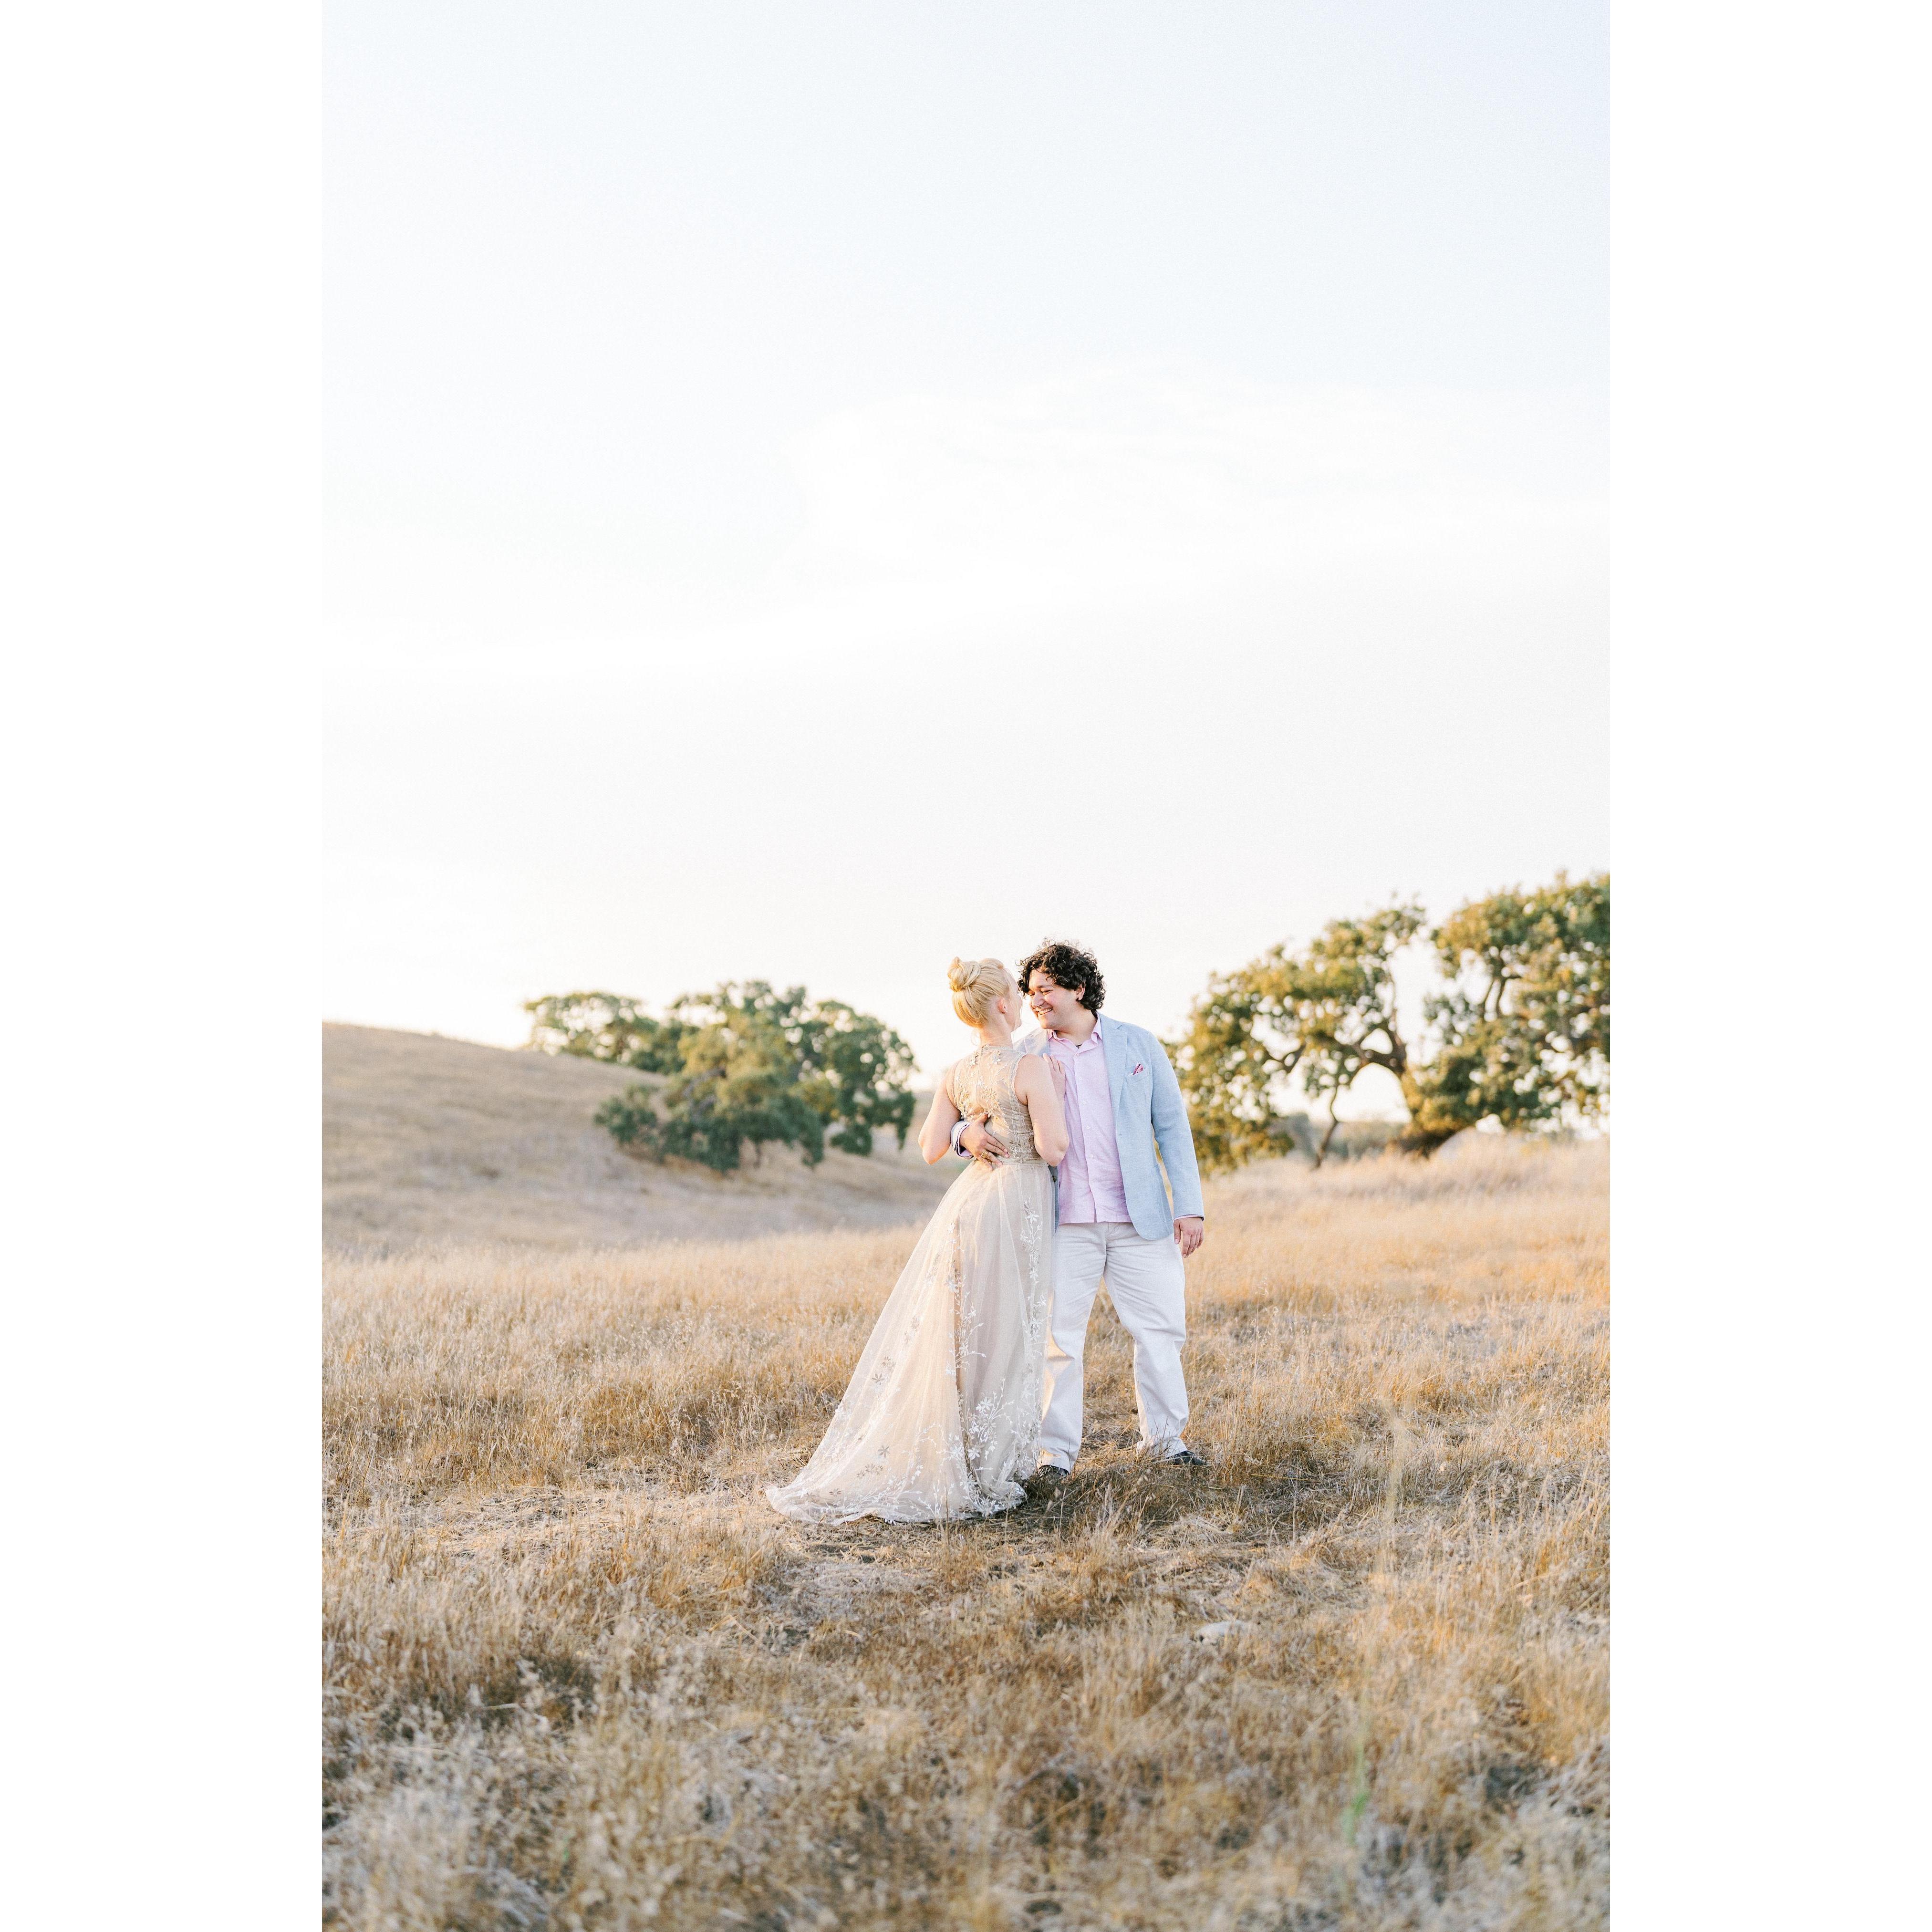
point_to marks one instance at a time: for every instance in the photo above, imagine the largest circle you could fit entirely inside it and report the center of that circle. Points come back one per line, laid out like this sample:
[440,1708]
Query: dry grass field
[428,1139]
[1353,1674]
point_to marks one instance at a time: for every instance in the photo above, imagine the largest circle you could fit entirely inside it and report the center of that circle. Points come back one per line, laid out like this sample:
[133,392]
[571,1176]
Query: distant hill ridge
[426,1139]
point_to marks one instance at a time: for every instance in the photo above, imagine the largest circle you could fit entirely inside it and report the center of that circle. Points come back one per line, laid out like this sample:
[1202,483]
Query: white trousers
[1147,1282]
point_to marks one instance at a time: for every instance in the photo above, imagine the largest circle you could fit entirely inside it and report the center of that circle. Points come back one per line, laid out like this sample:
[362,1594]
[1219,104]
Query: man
[1114,1217]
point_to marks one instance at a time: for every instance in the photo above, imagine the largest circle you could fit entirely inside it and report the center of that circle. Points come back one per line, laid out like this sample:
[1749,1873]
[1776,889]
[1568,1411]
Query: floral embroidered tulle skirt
[941,1418]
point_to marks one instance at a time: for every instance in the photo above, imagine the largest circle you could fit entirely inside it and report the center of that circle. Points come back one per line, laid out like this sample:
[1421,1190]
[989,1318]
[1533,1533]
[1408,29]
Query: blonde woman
[941,1421]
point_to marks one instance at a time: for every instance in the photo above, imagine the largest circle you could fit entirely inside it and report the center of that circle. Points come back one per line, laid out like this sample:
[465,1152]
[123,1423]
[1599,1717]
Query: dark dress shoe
[1048,1478]
[1188,1458]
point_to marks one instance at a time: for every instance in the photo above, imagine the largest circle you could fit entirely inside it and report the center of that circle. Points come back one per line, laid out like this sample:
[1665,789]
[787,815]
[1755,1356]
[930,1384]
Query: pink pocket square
[1142,1068]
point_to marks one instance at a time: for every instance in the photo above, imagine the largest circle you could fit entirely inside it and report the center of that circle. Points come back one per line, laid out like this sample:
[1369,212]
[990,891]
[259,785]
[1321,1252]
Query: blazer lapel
[1113,1045]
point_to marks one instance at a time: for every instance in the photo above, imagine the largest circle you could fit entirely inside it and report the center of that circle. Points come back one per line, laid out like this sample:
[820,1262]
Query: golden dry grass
[1353,1674]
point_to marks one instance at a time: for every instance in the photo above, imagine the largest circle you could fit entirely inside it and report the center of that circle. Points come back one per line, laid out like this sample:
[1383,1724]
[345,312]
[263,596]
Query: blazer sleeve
[1173,1135]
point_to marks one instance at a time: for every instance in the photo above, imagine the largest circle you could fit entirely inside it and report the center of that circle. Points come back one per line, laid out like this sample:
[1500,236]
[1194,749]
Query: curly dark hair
[1068,965]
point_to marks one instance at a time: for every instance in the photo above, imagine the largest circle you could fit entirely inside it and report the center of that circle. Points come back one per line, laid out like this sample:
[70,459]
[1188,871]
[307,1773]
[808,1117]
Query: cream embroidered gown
[942,1414]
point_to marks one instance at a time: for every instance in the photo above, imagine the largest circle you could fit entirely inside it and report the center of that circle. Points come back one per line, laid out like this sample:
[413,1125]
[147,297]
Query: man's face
[1053,1006]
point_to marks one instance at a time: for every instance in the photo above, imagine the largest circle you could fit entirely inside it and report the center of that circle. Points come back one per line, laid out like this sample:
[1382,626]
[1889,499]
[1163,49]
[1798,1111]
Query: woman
[942,1414]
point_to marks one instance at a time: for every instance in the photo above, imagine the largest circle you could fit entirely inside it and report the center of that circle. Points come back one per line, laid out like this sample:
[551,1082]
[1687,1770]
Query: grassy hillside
[426,1139]
[1353,1674]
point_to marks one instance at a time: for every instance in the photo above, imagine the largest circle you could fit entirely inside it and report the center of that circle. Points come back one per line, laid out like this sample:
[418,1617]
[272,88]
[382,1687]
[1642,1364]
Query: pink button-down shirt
[1090,1187]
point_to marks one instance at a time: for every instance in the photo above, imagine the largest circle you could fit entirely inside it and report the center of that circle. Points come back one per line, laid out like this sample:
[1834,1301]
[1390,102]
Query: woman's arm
[1036,1081]
[935,1137]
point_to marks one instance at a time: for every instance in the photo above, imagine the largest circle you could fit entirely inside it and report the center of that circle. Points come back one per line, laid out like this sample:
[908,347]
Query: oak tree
[605,1026]
[744,1062]
[1523,1024]
[1517,1033]
[1313,1019]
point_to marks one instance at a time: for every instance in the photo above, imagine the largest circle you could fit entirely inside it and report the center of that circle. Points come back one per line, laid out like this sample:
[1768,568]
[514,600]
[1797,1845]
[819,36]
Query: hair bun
[978,986]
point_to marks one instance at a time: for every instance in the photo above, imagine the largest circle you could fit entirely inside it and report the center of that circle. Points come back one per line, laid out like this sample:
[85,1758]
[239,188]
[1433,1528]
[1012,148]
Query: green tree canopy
[744,1062]
[1518,1032]
[606,1026]
[858,1069]
[1524,1024]
[1312,1019]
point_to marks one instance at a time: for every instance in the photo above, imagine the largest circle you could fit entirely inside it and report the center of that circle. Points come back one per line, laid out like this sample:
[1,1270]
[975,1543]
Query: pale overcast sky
[815,489]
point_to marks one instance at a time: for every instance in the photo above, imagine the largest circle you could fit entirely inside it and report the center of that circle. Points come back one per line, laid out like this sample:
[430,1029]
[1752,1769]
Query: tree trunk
[1415,1140]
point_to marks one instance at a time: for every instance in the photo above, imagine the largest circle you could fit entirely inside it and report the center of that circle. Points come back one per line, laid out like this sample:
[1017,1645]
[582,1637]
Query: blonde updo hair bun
[977,986]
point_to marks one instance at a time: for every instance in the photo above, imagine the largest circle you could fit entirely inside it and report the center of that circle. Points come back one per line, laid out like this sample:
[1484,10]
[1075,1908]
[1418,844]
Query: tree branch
[1334,1121]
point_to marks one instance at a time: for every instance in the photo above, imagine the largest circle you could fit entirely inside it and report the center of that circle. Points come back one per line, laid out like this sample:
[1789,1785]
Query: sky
[811,491]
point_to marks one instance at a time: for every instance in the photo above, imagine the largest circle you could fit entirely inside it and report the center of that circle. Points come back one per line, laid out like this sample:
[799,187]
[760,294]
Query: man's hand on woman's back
[979,1140]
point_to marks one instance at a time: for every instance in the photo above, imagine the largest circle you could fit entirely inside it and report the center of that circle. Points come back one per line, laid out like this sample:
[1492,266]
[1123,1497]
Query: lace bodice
[982,1083]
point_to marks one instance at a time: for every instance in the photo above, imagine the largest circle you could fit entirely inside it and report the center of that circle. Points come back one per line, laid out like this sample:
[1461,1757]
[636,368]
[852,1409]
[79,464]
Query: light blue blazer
[1148,1111]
